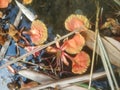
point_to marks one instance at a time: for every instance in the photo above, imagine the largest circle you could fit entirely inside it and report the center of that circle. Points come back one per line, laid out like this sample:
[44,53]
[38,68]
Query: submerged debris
[113,25]
[30,48]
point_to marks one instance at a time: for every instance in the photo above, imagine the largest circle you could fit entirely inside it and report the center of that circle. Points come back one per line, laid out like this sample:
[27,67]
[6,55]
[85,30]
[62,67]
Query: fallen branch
[61,82]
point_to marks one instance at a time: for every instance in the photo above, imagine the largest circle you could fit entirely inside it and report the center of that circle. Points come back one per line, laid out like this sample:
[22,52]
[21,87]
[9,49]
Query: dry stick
[38,49]
[18,17]
[95,45]
[61,82]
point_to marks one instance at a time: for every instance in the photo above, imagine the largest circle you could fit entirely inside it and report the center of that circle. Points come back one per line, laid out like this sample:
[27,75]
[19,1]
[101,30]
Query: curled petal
[74,45]
[80,63]
[63,58]
[76,21]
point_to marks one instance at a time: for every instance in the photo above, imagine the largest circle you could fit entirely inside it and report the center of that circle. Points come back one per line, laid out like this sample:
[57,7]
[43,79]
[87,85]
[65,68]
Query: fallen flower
[74,45]
[38,32]
[80,63]
[76,21]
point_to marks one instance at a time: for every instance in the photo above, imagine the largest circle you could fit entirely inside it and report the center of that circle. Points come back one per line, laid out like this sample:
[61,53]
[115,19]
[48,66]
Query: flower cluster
[73,46]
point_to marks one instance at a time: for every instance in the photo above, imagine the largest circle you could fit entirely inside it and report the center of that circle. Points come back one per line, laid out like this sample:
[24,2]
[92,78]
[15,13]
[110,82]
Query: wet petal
[38,32]
[75,44]
[80,63]
[76,21]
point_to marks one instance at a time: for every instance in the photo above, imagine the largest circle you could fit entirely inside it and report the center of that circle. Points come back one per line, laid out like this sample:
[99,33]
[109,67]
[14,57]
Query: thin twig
[18,18]
[95,45]
[61,82]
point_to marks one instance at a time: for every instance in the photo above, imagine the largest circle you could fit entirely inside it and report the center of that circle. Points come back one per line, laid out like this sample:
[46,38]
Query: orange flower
[76,21]
[27,2]
[80,63]
[60,53]
[38,32]
[4,3]
[74,45]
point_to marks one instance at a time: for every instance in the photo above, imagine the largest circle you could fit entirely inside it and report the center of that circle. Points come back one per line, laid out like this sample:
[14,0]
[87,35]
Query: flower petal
[38,32]
[74,45]
[75,22]
[80,63]
[63,58]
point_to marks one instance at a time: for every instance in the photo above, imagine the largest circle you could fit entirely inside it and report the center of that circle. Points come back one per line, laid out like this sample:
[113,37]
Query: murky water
[54,12]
